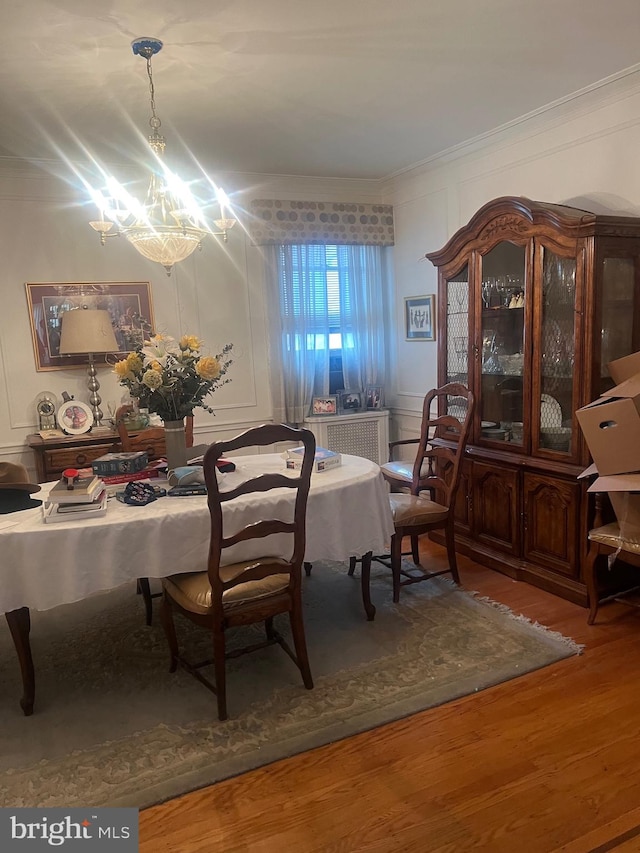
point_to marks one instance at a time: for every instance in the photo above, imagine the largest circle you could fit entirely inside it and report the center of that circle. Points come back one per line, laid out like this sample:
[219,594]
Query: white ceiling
[331,88]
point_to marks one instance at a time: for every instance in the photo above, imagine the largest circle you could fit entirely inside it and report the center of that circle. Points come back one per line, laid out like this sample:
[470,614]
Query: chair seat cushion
[402,471]
[192,590]
[412,510]
[610,535]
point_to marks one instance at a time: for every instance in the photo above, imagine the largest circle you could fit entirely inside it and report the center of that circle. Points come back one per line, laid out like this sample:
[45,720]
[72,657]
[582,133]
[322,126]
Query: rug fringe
[577,648]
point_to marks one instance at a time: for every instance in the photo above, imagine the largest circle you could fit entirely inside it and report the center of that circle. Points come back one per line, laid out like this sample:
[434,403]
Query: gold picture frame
[128,302]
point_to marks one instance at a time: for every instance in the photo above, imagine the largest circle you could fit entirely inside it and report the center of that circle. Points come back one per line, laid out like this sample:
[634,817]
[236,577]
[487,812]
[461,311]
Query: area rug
[112,726]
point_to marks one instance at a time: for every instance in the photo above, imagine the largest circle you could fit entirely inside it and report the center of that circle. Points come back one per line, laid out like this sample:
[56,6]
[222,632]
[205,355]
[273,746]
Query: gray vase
[176,444]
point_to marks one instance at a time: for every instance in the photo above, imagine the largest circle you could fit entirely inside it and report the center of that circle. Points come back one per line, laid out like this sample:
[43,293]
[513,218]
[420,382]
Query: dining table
[45,565]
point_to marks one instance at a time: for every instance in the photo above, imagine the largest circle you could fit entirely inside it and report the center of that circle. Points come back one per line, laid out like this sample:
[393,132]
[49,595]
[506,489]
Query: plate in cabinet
[550,411]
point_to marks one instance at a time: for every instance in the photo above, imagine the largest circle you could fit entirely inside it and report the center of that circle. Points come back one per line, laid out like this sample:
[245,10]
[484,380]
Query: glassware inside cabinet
[502,334]
[557,352]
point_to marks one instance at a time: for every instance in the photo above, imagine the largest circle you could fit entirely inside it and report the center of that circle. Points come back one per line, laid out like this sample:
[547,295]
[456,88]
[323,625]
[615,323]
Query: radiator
[361,434]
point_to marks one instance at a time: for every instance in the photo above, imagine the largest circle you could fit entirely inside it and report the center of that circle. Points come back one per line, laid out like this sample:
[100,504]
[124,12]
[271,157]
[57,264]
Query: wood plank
[541,763]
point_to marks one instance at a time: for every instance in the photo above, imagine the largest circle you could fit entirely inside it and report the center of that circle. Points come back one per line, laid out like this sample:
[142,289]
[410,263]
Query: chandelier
[169,225]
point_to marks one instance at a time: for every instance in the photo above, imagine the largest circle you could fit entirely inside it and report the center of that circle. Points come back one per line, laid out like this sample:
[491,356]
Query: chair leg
[219,666]
[300,643]
[451,552]
[396,558]
[352,565]
[166,618]
[142,586]
[591,581]
[365,579]
[415,550]
[268,626]
[307,569]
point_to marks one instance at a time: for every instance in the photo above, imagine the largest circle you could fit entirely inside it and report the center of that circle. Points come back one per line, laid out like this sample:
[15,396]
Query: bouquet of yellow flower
[171,378]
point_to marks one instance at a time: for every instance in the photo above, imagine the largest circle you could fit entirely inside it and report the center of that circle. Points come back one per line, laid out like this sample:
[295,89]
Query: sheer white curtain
[363,317]
[303,313]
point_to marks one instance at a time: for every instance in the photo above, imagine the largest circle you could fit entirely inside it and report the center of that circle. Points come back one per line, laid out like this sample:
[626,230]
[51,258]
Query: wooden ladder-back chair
[428,498]
[245,591]
[152,440]
[607,540]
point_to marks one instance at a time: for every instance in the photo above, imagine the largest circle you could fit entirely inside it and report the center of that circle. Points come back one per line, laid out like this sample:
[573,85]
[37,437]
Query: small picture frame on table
[373,397]
[327,405]
[350,401]
[419,318]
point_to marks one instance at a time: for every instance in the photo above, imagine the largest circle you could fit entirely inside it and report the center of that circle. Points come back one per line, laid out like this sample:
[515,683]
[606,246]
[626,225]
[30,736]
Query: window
[314,285]
[327,314]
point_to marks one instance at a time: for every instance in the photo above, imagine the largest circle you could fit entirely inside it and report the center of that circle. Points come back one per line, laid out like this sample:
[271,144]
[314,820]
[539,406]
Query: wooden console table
[53,455]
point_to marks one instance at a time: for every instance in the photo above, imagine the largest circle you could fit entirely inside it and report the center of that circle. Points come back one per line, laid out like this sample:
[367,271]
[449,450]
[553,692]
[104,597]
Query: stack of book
[86,498]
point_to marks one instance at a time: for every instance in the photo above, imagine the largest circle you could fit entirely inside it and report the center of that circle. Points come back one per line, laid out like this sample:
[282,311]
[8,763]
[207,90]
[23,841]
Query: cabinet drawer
[55,461]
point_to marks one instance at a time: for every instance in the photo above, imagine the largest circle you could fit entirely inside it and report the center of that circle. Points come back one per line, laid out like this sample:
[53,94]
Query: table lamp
[87,331]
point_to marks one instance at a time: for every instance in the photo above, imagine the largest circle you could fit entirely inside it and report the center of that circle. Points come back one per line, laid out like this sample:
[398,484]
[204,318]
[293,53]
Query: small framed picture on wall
[420,318]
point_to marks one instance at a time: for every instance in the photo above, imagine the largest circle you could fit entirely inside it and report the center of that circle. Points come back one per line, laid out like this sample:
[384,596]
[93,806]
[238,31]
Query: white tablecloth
[44,565]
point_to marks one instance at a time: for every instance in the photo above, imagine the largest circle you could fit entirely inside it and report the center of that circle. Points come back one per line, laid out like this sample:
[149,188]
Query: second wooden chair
[427,501]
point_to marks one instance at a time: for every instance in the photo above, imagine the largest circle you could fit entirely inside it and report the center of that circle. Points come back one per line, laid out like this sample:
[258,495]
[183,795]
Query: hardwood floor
[545,763]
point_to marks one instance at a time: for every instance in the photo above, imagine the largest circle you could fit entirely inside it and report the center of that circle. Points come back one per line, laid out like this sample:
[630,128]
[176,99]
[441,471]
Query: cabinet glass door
[458,328]
[503,293]
[457,348]
[557,353]
[618,312]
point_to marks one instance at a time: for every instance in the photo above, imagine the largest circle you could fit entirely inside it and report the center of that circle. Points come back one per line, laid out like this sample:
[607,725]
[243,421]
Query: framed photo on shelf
[128,303]
[350,401]
[327,405]
[373,397]
[419,318]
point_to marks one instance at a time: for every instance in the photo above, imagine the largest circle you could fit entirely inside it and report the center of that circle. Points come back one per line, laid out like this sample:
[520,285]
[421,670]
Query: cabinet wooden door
[496,507]
[551,509]
[463,508]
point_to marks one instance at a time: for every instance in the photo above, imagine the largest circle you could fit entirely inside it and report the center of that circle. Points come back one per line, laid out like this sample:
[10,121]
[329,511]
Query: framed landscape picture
[128,303]
[419,317]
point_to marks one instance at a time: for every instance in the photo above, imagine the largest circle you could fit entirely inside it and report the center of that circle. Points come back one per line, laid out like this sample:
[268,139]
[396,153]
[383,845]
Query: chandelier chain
[154,121]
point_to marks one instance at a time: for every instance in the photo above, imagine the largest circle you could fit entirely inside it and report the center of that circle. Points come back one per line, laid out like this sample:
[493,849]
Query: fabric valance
[342,223]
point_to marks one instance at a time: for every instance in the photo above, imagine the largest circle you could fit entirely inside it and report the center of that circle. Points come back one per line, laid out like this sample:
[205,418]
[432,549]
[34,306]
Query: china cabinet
[534,300]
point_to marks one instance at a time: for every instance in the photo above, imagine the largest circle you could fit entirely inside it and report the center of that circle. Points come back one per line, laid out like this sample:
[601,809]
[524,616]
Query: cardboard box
[624,368]
[624,494]
[611,427]
[120,463]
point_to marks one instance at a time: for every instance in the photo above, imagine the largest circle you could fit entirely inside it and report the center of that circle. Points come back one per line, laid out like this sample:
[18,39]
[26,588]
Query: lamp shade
[87,330]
